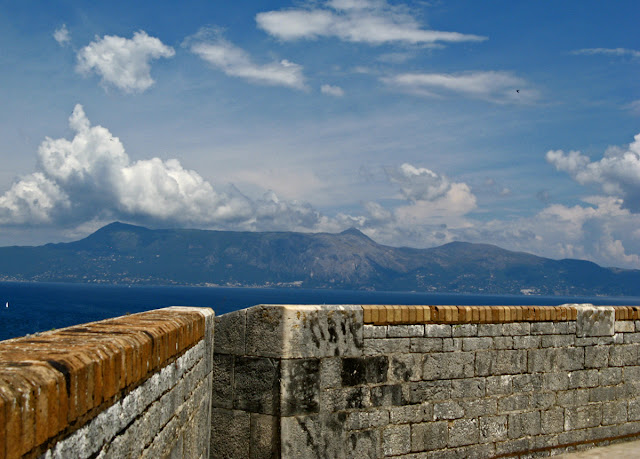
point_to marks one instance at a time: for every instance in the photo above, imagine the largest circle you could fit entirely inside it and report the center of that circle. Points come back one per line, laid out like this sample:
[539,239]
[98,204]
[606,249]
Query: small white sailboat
[6,305]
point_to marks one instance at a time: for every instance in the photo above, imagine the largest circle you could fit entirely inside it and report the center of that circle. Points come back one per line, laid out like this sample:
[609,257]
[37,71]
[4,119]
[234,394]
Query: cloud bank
[373,22]
[122,62]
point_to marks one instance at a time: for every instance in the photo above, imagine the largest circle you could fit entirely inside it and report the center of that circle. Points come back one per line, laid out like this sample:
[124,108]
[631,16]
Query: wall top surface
[51,381]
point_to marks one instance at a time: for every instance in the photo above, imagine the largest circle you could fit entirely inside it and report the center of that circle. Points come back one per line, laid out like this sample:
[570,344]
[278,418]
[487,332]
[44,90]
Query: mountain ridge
[121,253]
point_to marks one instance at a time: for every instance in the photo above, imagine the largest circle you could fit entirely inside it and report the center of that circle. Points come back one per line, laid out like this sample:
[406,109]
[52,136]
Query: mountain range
[126,254]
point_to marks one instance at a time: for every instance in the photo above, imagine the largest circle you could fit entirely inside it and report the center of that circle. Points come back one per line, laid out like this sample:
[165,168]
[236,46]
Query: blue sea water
[35,307]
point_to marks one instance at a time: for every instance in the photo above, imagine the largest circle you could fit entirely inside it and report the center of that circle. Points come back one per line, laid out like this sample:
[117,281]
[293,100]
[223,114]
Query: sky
[417,122]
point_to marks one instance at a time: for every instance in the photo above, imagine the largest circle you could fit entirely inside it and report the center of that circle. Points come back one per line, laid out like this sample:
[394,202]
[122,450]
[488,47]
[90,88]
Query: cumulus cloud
[62,35]
[91,178]
[498,87]
[335,91]
[360,21]
[617,173]
[233,61]
[609,52]
[122,62]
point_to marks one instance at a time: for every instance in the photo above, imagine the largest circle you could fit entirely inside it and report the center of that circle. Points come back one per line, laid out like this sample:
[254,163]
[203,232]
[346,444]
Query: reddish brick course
[50,380]
[395,314]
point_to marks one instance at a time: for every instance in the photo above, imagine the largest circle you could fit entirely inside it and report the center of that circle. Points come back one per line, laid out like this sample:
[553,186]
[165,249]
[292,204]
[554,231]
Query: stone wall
[423,381]
[135,386]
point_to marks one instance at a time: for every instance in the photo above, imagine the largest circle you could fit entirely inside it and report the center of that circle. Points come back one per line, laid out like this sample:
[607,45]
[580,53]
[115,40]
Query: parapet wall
[423,381]
[135,386]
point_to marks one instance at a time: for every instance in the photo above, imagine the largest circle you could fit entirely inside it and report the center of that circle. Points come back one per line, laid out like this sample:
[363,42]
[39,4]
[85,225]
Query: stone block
[503,342]
[363,444]
[358,420]
[499,385]
[555,359]
[526,342]
[265,437]
[463,432]
[411,413]
[374,331]
[541,400]
[552,421]
[387,395]
[624,326]
[386,346]
[447,366]
[500,362]
[222,395]
[582,417]
[544,328]
[427,391]
[230,333]
[405,367]
[514,402]
[330,373]
[333,400]
[230,433]
[480,407]
[516,329]
[475,343]
[437,331]
[555,381]
[614,412]
[594,320]
[603,394]
[633,410]
[451,344]
[583,379]
[468,388]
[572,398]
[492,428]
[459,330]
[596,356]
[317,435]
[631,338]
[623,355]
[299,387]
[524,424]
[405,331]
[490,329]
[447,410]
[256,385]
[557,340]
[527,382]
[396,440]
[364,370]
[423,345]
[610,376]
[429,436]
[303,331]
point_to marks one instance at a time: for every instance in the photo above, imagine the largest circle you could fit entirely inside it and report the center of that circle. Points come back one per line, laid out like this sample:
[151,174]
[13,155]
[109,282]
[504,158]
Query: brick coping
[407,315]
[51,381]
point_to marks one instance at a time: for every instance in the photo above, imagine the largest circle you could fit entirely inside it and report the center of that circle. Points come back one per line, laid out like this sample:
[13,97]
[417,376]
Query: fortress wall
[423,381]
[134,386]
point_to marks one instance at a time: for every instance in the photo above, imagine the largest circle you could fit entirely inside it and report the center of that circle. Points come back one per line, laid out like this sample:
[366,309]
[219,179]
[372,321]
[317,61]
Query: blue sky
[420,123]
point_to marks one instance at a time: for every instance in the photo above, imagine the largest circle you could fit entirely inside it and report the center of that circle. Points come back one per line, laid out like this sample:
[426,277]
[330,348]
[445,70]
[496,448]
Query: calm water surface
[35,307]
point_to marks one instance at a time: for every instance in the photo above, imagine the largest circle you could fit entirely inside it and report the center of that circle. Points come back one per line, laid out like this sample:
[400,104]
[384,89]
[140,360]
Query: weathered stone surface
[230,333]
[426,391]
[437,331]
[374,331]
[405,367]
[555,359]
[581,417]
[299,387]
[396,440]
[387,395]
[429,436]
[256,385]
[447,410]
[524,424]
[358,420]
[468,388]
[230,433]
[318,435]
[447,366]
[363,444]
[222,395]
[500,362]
[594,320]
[405,331]
[364,370]
[265,437]
[552,421]
[624,326]
[492,428]
[301,331]
[464,330]
[463,432]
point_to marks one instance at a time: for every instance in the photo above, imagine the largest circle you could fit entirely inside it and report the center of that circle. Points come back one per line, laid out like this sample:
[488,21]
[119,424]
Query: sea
[27,308]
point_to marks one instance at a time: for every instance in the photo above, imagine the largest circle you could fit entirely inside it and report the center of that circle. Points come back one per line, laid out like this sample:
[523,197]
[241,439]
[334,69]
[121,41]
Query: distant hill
[127,254]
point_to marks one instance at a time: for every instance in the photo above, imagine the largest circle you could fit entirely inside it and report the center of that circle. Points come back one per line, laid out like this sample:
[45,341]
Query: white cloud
[609,51]
[335,91]
[62,35]
[499,87]
[617,173]
[358,21]
[90,179]
[122,62]
[235,62]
